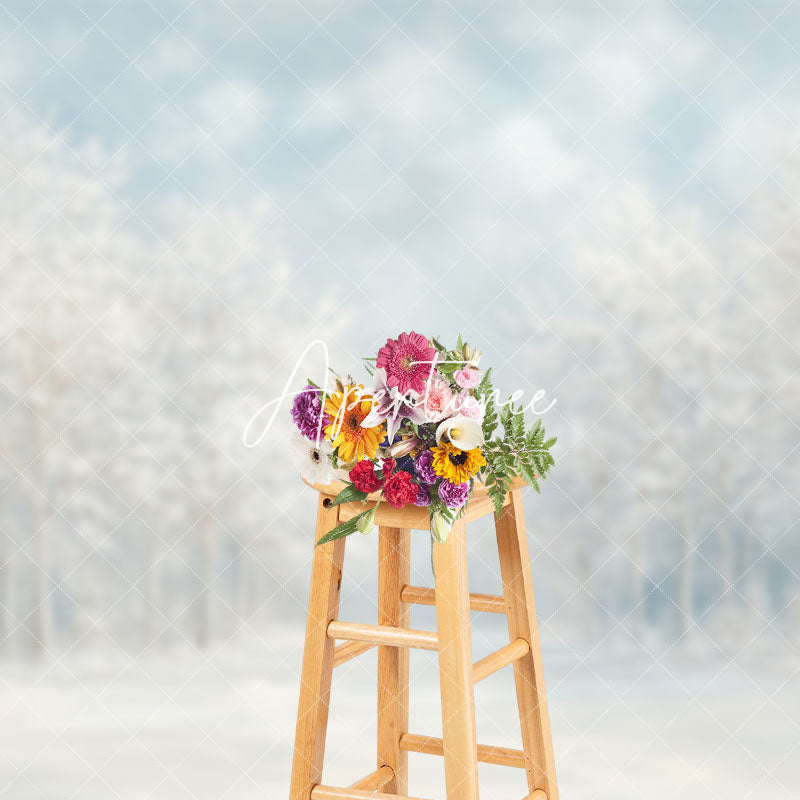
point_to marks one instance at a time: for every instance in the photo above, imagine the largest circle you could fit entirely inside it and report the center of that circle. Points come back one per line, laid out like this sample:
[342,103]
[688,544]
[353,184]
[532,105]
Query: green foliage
[448,369]
[519,452]
[438,345]
[345,528]
[348,495]
[449,361]
[438,507]
[485,394]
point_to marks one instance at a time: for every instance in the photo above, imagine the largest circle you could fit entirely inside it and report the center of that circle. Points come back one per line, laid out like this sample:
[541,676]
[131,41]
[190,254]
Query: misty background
[602,197]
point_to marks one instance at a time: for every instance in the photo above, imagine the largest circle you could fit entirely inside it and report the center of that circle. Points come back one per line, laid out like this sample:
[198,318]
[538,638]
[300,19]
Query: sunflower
[346,410]
[457,466]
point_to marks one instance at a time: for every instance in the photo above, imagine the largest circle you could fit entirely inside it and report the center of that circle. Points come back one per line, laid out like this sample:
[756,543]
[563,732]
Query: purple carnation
[306,411]
[423,498]
[423,466]
[454,495]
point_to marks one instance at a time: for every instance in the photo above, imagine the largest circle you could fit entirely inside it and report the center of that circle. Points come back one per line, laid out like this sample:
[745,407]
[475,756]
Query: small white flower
[463,432]
[313,463]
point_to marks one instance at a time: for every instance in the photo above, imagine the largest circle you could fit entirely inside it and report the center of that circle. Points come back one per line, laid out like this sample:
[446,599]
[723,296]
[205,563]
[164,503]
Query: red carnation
[399,490]
[364,478]
[387,468]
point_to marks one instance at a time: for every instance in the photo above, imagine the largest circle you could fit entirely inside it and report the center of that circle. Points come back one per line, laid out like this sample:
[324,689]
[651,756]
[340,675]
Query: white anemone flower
[463,432]
[313,463]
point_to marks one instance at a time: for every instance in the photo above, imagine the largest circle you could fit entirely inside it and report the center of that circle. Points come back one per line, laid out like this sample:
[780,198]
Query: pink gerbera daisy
[408,361]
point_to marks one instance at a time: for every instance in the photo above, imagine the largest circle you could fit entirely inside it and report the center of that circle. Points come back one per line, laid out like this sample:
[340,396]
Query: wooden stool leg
[393,573]
[315,683]
[455,666]
[512,545]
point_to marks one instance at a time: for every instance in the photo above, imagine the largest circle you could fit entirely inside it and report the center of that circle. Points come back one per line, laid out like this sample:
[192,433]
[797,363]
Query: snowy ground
[626,725]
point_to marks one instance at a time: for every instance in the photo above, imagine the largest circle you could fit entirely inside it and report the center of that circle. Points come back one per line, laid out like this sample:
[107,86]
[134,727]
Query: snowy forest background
[602,198]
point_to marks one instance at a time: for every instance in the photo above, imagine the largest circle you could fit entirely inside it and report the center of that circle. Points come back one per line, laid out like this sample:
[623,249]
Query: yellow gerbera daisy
[346,411]
[457,466]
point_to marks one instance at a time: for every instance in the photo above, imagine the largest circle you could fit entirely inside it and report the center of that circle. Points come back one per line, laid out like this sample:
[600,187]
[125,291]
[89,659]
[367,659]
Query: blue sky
[431,142]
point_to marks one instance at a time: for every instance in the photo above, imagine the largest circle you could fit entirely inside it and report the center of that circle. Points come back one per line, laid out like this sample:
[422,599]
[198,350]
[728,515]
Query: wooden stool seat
[452,640]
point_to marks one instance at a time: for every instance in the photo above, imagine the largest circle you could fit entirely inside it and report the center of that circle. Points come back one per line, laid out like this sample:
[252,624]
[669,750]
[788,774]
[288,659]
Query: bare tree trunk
[686,579]
[41,616]
[726,535]
[585,578]
[245,588]
[637,586]
[753,589]
[151,598]
[9,623]
[206,610]
[8,560]
[591,608]
[793,618]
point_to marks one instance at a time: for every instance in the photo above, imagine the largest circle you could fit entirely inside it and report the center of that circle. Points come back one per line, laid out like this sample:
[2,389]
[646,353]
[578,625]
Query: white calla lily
[463,432]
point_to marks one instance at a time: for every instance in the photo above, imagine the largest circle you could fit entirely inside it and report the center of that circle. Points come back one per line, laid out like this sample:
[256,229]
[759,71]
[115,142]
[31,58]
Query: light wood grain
[344,652]
[512,545]
[477,602]
[455,665]
[376,781]
[383,634]
[394,553]
[479,507]
[333,793]
[315,680]
[333,488]
[412,517]
[500,658]
[504,756]
[393,638]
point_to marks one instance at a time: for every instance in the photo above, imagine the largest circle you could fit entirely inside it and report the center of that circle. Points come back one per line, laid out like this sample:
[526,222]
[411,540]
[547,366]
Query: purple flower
[307,410]
[406,463]
[423,498]
[423,466]
[454,495]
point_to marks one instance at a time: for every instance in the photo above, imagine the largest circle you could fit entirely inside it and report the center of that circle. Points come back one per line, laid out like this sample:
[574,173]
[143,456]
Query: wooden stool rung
[375,781]
[383,634]
[488,754]
[512,652]
[477,602]
[320,792]
[344,652]
[393,638]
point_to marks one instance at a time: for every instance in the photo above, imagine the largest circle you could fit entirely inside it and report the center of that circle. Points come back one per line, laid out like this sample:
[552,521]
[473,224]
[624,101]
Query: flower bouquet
[426,431]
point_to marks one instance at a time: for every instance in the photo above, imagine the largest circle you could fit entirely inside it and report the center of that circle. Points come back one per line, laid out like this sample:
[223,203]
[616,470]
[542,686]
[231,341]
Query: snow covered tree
[129,368]
[65,326]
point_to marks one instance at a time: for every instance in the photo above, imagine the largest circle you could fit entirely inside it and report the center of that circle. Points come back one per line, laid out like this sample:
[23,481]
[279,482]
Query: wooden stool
[452,641]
